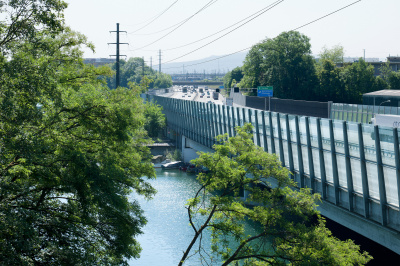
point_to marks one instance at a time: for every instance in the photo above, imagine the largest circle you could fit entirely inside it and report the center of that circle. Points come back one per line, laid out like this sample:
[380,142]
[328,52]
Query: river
[167,233]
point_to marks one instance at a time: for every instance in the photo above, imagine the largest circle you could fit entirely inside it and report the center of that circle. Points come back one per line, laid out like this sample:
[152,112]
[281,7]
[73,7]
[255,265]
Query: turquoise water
[167,233]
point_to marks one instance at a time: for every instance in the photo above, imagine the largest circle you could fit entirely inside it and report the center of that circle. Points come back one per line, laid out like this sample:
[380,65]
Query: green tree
[394,80]
[72,150]
[358,78]
[233,77]
[252,67]
[161,81]
[331,87]
[285,63]
[335,54]
[154,119]
[133,70]
[291,230]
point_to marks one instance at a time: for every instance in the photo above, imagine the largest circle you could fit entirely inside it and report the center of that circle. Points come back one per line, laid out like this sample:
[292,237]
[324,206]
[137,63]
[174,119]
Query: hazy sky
[373,25]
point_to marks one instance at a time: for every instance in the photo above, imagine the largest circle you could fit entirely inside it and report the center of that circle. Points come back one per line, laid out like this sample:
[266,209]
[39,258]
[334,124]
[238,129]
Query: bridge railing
[360,113]
[352,165]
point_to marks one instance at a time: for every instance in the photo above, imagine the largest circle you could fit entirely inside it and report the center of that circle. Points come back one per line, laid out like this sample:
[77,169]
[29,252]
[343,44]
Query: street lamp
[372,120]
[388,101]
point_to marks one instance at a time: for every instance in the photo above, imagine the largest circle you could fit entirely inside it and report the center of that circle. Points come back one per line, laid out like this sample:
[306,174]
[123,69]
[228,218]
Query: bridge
[352,165]
[197,83]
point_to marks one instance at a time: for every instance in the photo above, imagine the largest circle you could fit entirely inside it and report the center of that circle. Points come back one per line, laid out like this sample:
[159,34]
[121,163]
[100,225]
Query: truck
[215,95]
[388,121]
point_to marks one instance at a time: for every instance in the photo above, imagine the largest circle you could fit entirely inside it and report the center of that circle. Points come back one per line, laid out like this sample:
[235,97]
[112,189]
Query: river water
[168,233]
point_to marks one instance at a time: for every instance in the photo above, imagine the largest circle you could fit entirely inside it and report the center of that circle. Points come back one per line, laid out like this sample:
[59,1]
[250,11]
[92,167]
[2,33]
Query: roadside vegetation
[285,62]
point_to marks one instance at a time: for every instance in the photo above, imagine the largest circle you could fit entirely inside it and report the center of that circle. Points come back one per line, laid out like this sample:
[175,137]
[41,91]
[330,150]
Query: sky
[213,27]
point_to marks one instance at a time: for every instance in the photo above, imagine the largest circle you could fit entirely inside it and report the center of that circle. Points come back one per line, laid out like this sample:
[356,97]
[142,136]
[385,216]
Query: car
[201,96]
[208,96]
[183,95]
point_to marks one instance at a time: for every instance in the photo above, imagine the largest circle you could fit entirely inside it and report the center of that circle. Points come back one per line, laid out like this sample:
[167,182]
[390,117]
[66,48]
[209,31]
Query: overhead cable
[269,8]
[248,48]
[155,18]
[186,20]
[254,14]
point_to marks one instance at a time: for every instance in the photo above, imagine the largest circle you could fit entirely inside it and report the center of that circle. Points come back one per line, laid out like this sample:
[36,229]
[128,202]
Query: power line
[269,8]
[261,10]
[183,21]
[186,20]
[327,15]
[248,48]
[155,17]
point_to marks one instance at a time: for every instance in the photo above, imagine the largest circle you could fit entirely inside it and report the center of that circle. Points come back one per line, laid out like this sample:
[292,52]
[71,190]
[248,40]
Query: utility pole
[143,67]
[159,61]
[117,77]
[151,62]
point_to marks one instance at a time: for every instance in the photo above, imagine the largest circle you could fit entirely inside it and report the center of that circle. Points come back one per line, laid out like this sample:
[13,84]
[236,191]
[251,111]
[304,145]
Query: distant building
[99,61]
[394,63]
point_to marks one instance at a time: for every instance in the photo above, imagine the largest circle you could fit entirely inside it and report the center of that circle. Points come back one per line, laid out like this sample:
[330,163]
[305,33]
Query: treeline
[286,63]
[133,71]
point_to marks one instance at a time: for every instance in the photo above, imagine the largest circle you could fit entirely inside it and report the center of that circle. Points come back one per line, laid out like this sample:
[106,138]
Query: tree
[335,54]
[358,79]
[133,71]
[161,81]
[385,70]
[285,63]
[23,18]
[394,80]
[154,119]
[252,67]
[72,150]
[331,87]
[233,77]
[291,230]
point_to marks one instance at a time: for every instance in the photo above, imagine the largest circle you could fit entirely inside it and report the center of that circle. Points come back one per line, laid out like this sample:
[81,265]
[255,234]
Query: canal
[167,233]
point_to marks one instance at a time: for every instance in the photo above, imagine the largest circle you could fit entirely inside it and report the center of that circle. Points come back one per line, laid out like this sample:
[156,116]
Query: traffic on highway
[200,94]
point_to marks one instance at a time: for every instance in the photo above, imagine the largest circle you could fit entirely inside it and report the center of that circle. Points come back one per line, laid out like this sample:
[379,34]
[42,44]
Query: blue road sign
[265,91]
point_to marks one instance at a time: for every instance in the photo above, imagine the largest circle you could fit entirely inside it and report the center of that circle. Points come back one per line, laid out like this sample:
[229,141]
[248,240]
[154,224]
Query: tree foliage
[335,54]
[233,77]
[154,119]
[71,149]
[134,69]
[290,229]
[358,78]
[285,63]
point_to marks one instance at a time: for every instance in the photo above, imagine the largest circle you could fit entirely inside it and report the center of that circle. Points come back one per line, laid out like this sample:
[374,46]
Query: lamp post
[388,101]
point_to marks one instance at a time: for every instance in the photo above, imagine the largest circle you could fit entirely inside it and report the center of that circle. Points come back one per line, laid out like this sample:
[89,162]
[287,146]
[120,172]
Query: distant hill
[209,65]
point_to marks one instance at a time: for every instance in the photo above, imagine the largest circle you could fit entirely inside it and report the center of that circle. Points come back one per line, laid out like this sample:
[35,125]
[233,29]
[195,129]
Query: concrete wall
[190,149]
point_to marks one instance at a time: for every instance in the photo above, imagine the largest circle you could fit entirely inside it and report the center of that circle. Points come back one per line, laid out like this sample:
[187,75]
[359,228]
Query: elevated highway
[356,173]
